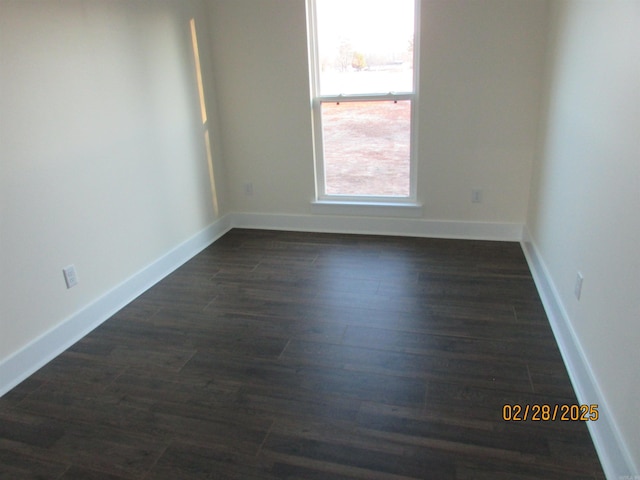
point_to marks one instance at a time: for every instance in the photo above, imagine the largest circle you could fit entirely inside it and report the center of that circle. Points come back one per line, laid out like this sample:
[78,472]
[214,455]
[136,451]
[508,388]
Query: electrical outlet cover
[70,276]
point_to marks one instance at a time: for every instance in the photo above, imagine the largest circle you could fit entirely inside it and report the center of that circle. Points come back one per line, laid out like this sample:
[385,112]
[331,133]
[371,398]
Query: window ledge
[362,208]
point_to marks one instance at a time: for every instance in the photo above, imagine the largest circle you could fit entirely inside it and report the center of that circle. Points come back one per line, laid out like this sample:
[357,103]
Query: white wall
[102,160]
[481,66]
[262,78]
[585,203]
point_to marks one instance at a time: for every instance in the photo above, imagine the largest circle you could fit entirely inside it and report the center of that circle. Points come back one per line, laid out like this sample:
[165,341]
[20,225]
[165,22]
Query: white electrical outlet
[476,195]
[70,276]
[577,288]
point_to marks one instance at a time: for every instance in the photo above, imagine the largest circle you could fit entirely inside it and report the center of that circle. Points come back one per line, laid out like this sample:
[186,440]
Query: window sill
[370,209]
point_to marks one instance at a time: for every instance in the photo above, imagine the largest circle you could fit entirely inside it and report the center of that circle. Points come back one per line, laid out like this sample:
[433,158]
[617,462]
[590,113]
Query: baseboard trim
[408,227]
[614,456]
[49,345]
[45,348]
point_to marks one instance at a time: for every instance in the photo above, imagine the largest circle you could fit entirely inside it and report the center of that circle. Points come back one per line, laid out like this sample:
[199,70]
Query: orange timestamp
[550,413]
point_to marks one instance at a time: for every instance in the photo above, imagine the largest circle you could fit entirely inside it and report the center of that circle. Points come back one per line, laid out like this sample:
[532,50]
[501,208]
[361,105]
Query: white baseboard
[45,348]
[408,227]
[614,456]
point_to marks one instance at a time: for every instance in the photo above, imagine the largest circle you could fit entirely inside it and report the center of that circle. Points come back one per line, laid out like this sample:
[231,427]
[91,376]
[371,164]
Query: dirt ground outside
[367,148]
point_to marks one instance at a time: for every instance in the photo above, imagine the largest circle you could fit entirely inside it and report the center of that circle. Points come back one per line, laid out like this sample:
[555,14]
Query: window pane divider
[369,97]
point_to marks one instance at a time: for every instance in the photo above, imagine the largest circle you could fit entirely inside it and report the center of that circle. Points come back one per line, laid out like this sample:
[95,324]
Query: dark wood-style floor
[280,355]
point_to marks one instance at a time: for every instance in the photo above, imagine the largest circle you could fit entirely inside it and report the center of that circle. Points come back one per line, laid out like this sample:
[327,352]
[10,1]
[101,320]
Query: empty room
[319,239]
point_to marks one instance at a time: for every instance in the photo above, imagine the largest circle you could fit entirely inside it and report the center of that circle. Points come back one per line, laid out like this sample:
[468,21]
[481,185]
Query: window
[364,89]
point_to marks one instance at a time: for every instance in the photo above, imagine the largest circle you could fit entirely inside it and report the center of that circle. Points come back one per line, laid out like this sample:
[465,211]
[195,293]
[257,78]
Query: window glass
[367,148]
[365,46]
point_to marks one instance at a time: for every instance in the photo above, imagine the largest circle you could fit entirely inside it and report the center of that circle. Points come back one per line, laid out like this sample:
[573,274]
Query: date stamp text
[550,413]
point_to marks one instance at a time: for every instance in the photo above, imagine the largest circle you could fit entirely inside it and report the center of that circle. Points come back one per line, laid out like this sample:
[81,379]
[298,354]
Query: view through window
[363,80]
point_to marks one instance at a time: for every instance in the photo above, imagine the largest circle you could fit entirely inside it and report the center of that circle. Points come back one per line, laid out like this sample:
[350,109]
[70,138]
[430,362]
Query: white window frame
[322,198]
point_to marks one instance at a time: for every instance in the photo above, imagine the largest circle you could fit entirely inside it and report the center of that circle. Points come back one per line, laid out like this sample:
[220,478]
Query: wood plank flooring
[281,355]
